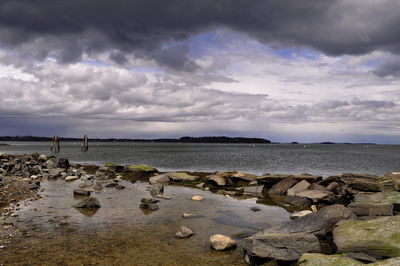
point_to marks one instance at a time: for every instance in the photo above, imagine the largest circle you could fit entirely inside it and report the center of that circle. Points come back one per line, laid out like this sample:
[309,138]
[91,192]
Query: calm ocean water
[257,159]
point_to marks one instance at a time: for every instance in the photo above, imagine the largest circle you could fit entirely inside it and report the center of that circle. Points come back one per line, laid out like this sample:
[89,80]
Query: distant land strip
[218,139]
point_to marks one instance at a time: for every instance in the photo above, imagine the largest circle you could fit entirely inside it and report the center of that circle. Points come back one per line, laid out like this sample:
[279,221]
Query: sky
[284,70]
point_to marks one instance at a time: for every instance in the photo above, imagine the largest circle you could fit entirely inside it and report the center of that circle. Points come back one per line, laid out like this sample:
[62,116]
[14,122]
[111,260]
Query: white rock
[197,198]
[71,178]
[300,214]
[221,242]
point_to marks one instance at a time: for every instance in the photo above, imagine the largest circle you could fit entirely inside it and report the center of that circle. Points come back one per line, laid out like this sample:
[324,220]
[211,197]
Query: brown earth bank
[349,219]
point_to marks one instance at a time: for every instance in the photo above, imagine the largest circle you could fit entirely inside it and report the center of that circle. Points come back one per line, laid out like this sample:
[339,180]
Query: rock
[240,176]
[42,158]
[254,190]
[296,201]
[333,186]
[189,215]
[271,179]
[86,183]
[119,186]
[51,163]
[62,163]
[163,178]
[376,204]
[156,189]
[88,203]
[283,247]
[36,170]
[71,178]
[149,206]
[184,232]
[182,177]
[364,184]
[140,171]
[303,185]
[149,200]
[81,192]
[319,223]
[316,195]
[217,180]
[115,167]
[377,237]
[255,209]
[54,173]
[393,175]
[314,259]
[282,186]
[197,198]
[33,186]
[221,242]
[300,214]
[361,257]
[200,185]
[111,184]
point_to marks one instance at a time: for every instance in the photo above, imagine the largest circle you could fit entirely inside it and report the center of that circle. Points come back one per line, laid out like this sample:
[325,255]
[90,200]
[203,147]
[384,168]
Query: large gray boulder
[301,186]
[379,237]
[362,183]
[217,180]
[182,177]
[376,204]
[283,247]
[282,186]
[161,178]
[319,223]
[317,195]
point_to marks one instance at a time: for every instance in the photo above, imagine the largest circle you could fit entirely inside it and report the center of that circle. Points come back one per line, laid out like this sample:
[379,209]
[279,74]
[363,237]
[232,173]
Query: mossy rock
[111,165]
[141,167]
[315,259]
[378,237]
[183,177]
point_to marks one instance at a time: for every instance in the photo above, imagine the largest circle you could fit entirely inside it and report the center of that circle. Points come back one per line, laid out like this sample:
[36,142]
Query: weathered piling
[85,144]
[55,144]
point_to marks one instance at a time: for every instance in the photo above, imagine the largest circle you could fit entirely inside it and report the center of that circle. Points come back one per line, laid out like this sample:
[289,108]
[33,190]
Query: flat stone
[149,206]
[220,242]
[316,195]
[182,177]
[302,185]
[314,259]
[81,192]
[283,247]
[282,186]
[149,200]
[377,237]
[162,178]
[376,204]
[254,190]
[363,184]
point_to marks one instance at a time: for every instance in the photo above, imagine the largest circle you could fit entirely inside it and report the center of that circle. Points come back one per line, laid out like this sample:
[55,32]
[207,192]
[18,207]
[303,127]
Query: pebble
[197,198]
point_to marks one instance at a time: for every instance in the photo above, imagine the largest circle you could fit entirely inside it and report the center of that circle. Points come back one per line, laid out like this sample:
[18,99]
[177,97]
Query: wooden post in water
[85,144]
[55,144]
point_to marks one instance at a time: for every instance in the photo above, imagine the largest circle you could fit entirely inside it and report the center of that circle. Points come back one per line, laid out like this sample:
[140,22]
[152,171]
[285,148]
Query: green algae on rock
[379,237]
[141,167]
[316,259]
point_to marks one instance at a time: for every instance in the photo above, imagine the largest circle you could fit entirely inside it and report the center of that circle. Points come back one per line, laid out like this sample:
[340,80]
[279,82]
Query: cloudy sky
[285,70]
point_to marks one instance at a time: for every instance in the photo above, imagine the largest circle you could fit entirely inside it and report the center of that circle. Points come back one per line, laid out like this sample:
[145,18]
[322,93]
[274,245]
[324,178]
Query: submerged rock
[221,242]
[88,203]
[81,192]
[149,206]
[377,237]
[184,232]
[156,189]
[283,247]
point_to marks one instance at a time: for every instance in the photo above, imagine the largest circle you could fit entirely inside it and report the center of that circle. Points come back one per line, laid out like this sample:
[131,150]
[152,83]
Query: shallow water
[256,159]
[120,233]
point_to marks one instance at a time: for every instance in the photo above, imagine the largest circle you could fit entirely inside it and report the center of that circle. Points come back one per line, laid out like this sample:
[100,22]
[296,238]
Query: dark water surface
[256,159]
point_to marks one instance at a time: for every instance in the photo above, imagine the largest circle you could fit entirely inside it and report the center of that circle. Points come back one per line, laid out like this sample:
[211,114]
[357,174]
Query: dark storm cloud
[73,27]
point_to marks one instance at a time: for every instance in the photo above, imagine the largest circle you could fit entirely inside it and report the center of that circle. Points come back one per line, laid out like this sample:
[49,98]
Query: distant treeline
[219,139]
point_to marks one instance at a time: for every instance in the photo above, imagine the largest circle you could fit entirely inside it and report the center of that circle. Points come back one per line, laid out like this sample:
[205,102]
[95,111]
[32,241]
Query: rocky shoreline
[348,219]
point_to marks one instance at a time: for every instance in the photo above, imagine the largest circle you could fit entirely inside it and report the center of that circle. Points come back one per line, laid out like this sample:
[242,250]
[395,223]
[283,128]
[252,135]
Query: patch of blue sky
[95,63]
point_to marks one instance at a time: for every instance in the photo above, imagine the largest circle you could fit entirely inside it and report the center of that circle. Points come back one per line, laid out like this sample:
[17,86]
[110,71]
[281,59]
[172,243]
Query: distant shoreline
[218,139]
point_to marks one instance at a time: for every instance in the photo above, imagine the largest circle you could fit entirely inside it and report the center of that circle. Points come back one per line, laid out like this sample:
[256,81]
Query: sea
[259,159]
